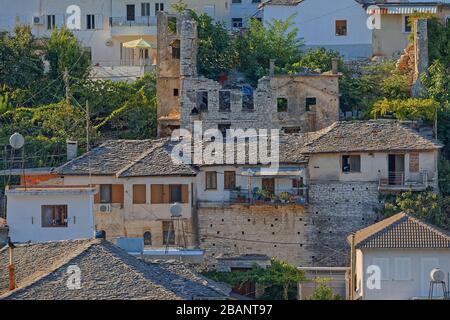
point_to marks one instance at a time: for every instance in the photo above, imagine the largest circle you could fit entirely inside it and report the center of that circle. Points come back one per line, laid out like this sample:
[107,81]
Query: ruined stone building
[292,103]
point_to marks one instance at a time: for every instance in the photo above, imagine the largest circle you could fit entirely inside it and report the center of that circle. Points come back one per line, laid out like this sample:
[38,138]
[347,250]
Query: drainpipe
[11,267]
[352,266]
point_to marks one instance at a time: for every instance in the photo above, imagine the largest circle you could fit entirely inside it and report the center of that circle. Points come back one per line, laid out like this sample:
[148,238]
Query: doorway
[268,185]
[130,12]
[396,169]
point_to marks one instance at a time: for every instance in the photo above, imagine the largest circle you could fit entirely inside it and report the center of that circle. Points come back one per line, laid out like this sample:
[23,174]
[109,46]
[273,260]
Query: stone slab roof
[127,158]
[280,2]
[107,273]
[401,231]
[374,135]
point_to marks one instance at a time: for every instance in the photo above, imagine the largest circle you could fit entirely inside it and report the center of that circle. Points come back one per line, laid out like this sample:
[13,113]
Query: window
[139,193]
[90,21]
[236,22]
[224,100]
[256,1]
[291,130]
[176,53]
[223,128]
[247,99]
[131,12]
[402,269]
[175,193]
[51,22]
[407,24]
[54,216]
[176,92]
[211,180]
[351,163]
[341,28]
[414,162]
[145,9]
[105,193]
[229,180]
[159,7]
[383,264]
[202,100]
[168,233]
[147,238]
[236,1]
[309,103]
[282,104]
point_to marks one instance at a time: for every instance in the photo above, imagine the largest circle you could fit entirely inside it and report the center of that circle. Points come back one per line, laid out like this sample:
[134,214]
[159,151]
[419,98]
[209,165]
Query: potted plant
[284,197]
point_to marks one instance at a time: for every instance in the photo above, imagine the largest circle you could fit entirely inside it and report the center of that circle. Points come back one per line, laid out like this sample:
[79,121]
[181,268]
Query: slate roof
[281,2]
[127,158]
[373,135]
[107,273]
[401,231]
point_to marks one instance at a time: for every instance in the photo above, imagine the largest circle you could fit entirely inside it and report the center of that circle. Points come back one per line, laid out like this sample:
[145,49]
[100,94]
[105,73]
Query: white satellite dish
[437,275]
[175,210]
[16,141]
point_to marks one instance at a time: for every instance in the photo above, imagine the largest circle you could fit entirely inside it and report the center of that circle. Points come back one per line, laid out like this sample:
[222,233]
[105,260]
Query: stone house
[137,184]
[303,102]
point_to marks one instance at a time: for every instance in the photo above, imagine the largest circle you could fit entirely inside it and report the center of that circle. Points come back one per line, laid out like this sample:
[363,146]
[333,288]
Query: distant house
[405,250]
[49,271]
[50,213]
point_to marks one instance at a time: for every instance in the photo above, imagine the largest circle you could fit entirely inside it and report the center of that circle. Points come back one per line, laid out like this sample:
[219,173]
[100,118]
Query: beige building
[393,259]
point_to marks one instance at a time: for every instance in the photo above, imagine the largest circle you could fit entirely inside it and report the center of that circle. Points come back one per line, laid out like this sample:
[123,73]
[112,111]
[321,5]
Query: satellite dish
[175,210]
[437,275]
[16,141]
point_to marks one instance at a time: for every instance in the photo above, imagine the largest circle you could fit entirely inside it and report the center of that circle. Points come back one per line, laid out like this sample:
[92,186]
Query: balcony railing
[257,196]
[399,181]
[137,22]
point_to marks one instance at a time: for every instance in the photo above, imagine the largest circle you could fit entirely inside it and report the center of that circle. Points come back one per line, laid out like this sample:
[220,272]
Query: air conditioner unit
[38,20]
[105,207]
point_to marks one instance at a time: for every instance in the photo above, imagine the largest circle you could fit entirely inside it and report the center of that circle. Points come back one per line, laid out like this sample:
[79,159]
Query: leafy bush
[323,292]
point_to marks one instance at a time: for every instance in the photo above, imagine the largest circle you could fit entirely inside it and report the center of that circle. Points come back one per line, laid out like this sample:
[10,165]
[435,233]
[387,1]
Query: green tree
[323,292]
[412,109]
[439,41]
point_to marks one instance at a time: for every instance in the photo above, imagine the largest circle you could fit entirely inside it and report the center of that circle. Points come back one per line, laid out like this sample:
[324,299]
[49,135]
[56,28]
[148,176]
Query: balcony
[139,26]
[398,181]
[256,196]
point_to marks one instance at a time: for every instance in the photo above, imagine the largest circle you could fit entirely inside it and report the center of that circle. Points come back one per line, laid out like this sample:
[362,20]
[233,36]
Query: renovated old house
[404,250]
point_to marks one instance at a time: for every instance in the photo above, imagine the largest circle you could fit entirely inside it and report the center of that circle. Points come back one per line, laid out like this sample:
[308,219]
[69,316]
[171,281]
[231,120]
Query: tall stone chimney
[334,66]
[188,46]
[72,149]
[271,67]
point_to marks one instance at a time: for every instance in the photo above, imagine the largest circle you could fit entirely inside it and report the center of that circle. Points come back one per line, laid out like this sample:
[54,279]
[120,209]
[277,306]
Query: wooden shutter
[139,194]
[184,193]
[166,193]
[117,193]
[157,193]
[97,195]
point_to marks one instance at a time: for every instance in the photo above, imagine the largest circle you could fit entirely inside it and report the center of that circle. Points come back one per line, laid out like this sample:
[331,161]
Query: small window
[176,92]
[309,103]
[223,128]
[168,233]
[145,9]
[282,104]
[224,100]
[159,7]
[176,53]
[341,28]
[236,22]
[202,100]
[175,193]
[54,216]
[147,238]
[230,180]
[351,163]
[139,193]
[291,130]
[51,22]
[407,24]
[247,99]
[211,180]
[90,21]
[105,193]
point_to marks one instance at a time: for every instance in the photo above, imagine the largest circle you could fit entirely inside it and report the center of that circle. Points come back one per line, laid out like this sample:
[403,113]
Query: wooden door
[269,185]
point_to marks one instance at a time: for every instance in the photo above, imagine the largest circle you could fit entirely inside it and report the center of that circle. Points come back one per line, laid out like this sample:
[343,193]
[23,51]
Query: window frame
[208,175]
[145,9]
[51,21]
[229,184]
[102,201]
[136,188]
[309,102]
[284,107]
[171,188]
[90,22]
[343,28]
[405,25]
[350,156]
[65,223]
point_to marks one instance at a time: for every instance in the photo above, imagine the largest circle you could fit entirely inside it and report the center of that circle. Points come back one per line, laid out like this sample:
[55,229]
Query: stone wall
[314,235]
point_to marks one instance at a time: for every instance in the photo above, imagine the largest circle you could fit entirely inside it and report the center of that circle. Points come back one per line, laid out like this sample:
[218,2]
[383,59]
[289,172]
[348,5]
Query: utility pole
[66,84]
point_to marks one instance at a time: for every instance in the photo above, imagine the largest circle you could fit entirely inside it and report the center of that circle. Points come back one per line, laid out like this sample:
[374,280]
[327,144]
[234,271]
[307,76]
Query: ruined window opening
[407,24]
[341,28]
[351,163]
[147,238]
[309,103]
[176,92]
[202,100]
[282,104]
[223,127]
[224,100]
[247,99]
[291,130]
[194,112]
[172,25]
[176,53]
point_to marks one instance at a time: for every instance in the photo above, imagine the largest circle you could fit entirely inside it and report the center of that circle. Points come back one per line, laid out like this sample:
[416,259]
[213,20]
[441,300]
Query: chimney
[72,149]
[271,67]
[11,267]
[334,66]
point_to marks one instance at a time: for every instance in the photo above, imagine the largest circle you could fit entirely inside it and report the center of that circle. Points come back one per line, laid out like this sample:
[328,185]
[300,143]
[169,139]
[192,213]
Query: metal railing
[257,196]
[147,21]
[398,179]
